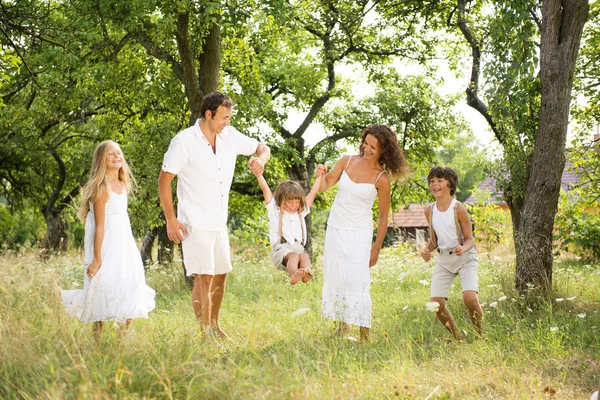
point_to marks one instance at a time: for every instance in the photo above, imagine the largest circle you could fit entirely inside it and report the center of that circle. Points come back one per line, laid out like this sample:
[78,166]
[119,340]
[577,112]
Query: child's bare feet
[308,276]
[341,328]
[297,277]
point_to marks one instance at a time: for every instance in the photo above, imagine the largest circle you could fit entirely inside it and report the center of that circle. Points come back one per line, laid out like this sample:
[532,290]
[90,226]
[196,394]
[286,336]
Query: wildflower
[432,306]
[554,329]
[405,308]
[494,304]
[559,300]
[424,282]
[300,311]
[502,298]
[494,285]
[582,315]
[529,309]
[571,298]
[402,275]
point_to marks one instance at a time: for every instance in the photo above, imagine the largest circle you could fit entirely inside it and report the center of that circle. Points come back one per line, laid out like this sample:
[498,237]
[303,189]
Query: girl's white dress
[118,291]
[347,252]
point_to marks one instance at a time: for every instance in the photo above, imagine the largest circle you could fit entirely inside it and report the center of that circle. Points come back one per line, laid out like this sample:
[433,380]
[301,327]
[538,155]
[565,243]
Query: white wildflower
[559,300]
[502,298]
[494,285]
[554,329]
[494,304]
[571,298]
[424,282]
[300,311]
[405,308]
[432,306]
[402,275]
[582,315]
[529,309]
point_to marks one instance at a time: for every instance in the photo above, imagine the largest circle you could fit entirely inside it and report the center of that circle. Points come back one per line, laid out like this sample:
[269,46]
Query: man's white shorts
[448,266]
[280,250]
[206,252]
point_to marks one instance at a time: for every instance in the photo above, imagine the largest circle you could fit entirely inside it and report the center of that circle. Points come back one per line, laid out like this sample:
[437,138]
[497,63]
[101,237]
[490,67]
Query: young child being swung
[451,233]
[287,208]
[114,284]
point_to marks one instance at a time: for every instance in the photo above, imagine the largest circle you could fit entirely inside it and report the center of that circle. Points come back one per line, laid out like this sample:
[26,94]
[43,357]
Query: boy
[451,234]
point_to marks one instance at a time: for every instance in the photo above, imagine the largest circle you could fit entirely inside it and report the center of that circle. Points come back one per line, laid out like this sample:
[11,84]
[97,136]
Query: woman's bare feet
[308,276]
[365,334]
[341,328]
[297,277]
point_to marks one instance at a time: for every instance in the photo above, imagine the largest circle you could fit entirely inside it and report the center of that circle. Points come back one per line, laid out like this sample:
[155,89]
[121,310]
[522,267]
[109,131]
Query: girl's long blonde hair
[96,185]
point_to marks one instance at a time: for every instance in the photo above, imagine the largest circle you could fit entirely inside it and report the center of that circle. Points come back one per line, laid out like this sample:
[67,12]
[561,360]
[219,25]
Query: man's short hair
[445,173]
[212,101]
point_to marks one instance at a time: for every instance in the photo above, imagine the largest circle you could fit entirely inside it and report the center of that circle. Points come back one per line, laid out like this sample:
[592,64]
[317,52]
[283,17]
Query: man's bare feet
[308,276]
[297,277]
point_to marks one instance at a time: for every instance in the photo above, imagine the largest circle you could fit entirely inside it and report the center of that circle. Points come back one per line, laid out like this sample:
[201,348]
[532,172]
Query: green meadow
[281,348]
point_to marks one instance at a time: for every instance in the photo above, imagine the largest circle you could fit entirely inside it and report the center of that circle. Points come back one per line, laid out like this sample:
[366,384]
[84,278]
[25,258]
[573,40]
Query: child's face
[371,148]
[291,206]
[439,187]
[114,157]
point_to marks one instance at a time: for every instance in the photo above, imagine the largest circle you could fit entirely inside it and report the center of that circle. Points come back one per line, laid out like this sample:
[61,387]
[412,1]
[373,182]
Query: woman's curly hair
[391,158]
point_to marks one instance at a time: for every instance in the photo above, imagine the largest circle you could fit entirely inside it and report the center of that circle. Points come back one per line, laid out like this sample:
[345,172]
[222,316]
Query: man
[203,159]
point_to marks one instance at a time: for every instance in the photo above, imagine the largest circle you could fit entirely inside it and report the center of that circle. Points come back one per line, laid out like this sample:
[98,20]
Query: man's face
[220,119]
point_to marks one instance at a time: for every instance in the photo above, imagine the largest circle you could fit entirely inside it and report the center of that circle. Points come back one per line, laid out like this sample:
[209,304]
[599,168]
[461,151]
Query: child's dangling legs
[445,317]
[291,262]
[305,265]
[475,312]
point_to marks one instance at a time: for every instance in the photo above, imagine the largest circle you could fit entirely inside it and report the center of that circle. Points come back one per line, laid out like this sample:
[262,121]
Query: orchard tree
[527,54]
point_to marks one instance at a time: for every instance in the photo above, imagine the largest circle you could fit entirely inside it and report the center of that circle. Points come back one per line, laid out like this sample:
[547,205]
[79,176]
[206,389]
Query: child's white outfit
[448,265]
[118,291]
[347,252]
[287,232]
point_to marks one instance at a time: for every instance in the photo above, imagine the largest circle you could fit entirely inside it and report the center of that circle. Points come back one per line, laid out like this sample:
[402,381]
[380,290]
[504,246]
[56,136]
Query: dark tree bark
[562,27]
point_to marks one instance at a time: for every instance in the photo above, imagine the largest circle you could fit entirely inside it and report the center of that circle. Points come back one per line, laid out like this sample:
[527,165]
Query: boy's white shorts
[280,250]
[206,252]
[448,265]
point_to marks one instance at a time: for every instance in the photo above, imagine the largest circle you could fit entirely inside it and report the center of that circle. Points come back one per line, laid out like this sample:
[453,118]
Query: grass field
[283,349]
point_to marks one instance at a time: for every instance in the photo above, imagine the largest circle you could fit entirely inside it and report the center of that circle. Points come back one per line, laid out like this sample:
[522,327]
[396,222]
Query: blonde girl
[287,208]
[114,283]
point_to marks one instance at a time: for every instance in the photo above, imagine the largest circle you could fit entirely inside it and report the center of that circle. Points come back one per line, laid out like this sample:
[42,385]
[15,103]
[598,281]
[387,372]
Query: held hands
[176,231]
[256,166]
[321,170]
[93,268]
[426,254]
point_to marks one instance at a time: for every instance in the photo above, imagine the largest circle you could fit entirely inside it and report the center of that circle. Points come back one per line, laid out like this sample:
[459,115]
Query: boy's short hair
[290,190]
[446,173]
[212,101]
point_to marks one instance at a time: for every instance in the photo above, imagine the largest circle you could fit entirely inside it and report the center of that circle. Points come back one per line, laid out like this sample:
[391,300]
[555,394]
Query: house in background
[411,224]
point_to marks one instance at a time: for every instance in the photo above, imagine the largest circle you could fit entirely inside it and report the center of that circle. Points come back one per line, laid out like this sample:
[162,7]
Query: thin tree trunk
[562,27]
[147,245]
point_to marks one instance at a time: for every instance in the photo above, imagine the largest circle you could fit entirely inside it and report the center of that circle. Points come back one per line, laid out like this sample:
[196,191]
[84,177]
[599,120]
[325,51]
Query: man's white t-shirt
[203,177]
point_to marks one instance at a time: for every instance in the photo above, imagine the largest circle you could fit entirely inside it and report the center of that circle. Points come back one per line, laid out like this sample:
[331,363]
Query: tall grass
[283,349]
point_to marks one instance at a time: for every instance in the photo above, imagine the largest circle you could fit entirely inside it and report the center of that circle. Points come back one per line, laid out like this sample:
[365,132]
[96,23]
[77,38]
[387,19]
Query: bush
[577,226]
[24,228]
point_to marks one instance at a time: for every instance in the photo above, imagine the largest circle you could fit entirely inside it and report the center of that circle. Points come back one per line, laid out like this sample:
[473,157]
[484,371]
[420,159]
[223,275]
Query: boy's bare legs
[201,302]
[305,265]
[445,317]
[291,262]
[217,292]
[475,312]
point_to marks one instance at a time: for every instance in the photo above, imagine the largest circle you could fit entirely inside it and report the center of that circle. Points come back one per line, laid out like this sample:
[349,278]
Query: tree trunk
[56,238]
[210,61]
[147,245]
[165,246]
[562,26]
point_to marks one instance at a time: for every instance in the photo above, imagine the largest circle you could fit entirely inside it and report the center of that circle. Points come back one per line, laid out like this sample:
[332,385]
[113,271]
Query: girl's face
[439,187]
[291,206]
[371,148]
[114,157]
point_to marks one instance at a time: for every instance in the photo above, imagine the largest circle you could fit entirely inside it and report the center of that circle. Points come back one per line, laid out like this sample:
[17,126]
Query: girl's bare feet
[308,276]
[297,277]
[365,334]
[342,328]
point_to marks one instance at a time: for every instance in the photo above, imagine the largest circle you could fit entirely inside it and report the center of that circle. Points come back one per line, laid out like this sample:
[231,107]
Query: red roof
[412,217]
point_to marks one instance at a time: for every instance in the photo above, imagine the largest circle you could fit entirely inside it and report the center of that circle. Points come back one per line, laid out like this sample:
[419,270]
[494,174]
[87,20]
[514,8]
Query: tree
[528,113]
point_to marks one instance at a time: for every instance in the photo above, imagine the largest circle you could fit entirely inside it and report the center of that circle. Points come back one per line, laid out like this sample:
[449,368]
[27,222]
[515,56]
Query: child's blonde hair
[290,190]
[96,185]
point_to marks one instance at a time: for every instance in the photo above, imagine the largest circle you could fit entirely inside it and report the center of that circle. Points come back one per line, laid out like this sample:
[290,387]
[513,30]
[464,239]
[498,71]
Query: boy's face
[439,187]
[291,206]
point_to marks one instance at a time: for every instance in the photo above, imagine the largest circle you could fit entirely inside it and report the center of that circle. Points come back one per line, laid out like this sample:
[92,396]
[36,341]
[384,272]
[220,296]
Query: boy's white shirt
[444,225]
[291,228]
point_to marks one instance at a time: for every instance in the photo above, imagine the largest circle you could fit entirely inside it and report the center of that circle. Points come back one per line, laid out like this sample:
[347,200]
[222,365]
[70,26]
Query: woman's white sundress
[347,252]
[118,291]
